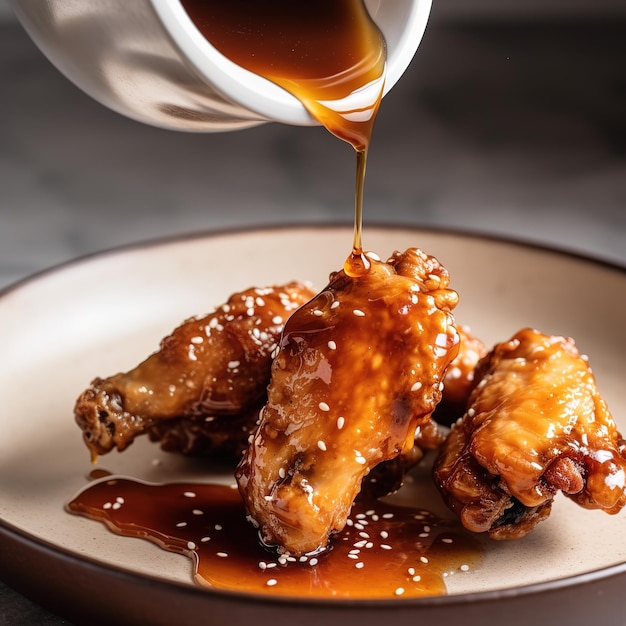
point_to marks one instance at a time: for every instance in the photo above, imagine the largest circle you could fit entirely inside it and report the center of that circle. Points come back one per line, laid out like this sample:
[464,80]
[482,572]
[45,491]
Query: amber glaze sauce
[321,52]
[385,551]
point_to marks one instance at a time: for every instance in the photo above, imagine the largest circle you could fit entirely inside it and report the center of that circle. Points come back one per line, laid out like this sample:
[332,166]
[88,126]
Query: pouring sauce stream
[329,54]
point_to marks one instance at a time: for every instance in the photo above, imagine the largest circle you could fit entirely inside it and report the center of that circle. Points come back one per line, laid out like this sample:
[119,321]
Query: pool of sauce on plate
[321,52]
[385,551]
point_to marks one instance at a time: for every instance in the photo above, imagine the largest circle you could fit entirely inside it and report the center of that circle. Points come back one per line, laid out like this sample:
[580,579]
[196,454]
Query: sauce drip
[329,54]
[385,551]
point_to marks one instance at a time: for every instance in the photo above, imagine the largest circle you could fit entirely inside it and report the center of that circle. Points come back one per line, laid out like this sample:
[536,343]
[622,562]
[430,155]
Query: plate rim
[218,233]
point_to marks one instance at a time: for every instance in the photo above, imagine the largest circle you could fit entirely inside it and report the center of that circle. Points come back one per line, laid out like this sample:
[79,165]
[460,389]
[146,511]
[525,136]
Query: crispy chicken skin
[360,367]
[459,378]
[207,368]
[535,425]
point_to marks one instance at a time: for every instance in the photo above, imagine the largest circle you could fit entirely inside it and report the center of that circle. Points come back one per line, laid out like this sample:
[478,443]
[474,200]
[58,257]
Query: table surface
[508,127]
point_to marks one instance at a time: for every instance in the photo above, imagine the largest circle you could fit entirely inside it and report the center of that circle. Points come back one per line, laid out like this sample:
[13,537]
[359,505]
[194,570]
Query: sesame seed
[181,524]
[335,304]
[384,534]
[360,460]
[205,539]
[340,422]
[189,494]
[416,578]
[282,473]
[233,364]
[197,512]
[116,506]
[106,505]
[446,540]
[441,340]
[313,562]
[359,565]
[353,556]
[416,386]
[464,568]
[218,527]
[262,565]
[323,406]
[332,345]
[399,591]
[271,582]
[222,555]
[277,320]
[364,535]
[317,313]
[423,559]
[321,445]
[411,571]
[191,545]
[358,313]
[387,515]
[385,546]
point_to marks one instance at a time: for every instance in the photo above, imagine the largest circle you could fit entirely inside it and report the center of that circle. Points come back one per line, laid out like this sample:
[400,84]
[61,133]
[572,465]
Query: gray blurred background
[511,120]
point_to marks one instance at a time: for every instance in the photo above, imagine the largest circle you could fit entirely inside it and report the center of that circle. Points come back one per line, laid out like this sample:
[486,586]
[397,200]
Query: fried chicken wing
[360,367]
[215,366]
[459,378]
[535,425]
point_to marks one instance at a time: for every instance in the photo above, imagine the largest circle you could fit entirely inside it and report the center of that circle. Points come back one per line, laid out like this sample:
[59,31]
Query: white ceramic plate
[105,313]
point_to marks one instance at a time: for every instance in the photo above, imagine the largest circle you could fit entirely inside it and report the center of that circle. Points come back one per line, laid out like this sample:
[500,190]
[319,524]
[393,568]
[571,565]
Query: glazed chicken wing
[360,367]
[535,425]
[207,368]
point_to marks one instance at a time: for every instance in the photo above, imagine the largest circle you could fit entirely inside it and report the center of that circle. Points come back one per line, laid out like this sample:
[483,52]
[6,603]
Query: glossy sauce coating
[385,551]
[535,425]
